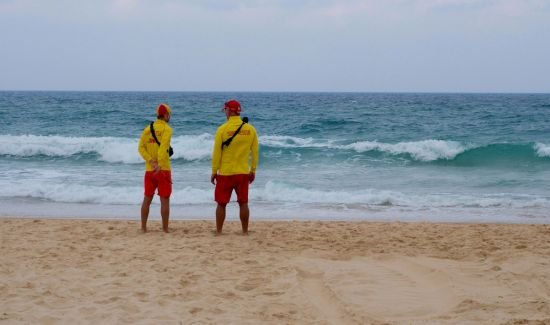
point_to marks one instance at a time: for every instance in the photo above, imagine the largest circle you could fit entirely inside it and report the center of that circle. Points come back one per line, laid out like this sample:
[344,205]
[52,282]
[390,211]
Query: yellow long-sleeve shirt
[149,149]
[234,159]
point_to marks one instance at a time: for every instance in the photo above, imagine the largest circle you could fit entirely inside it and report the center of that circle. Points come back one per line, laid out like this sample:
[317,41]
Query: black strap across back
[170,150]
[228,141]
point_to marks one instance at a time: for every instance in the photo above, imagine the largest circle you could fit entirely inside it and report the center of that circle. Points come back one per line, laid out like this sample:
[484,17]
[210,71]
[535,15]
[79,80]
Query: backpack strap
[153,133]
[228,141]
[169,150]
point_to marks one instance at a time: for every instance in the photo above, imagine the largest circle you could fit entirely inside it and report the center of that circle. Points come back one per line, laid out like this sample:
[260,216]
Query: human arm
[165,144]
[216,155]
[142,147]
[254,148]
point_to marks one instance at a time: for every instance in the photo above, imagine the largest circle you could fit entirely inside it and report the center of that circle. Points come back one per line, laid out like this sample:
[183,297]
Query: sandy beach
[107,272]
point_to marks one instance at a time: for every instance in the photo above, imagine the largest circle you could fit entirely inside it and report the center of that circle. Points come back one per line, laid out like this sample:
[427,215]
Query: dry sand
[107,272]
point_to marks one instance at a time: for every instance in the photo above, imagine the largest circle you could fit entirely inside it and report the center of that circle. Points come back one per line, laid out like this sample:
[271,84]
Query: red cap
[233,106]
[162,109]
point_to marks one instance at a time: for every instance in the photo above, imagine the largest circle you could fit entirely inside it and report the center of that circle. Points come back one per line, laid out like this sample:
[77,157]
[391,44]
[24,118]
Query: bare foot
[166,230]
[143,230]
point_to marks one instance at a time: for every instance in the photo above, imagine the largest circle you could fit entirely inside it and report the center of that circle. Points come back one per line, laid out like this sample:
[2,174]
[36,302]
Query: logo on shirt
[241,132]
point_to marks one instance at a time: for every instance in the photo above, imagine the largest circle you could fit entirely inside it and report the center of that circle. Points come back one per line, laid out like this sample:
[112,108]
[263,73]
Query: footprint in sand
[321,297]
[372,288]
[251,283]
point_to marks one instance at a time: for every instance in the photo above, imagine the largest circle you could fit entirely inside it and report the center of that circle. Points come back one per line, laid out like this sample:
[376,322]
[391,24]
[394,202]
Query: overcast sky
[276,45]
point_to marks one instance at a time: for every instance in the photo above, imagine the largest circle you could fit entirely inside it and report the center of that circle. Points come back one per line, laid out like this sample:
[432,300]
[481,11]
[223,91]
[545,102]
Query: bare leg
[220,218]
[165,212]
[244,213]
[145,212]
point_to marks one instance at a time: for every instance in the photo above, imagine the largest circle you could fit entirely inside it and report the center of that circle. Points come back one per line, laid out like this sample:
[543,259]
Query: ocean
[323,156]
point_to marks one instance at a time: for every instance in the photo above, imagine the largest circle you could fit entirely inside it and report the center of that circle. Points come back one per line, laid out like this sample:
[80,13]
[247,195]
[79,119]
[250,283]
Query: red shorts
[226,184]
[161,180]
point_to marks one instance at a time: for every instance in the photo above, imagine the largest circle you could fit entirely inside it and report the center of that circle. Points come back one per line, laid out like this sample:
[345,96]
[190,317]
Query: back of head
[233,106]
[163,109]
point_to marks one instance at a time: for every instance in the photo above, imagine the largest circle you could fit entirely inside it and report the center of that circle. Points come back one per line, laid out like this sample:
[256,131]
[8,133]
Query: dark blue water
[454,157]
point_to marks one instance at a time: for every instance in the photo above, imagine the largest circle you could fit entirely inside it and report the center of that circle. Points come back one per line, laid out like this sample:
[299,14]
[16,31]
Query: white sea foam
[275,193]
[109,149]
[79,193]
[199,147]
[425,150]
[283,141]
[279,192]
[30,145]
[193,147]
[543,150]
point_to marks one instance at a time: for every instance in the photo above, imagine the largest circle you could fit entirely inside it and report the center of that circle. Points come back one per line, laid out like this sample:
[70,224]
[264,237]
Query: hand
[155,165]
[213,179]
[251,178]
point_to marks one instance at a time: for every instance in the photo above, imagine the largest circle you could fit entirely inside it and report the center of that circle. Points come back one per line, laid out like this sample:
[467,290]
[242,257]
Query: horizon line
[285,91]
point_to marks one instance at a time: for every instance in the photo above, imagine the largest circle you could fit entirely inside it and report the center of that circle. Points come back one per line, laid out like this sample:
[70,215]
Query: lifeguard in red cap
[154,147]
[235,142]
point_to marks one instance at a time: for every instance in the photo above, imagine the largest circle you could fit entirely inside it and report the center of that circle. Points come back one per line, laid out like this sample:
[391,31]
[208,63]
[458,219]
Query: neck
[228,116]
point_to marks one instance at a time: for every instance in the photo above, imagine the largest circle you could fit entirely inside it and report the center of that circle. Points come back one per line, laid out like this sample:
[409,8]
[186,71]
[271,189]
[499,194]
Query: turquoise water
[438,157]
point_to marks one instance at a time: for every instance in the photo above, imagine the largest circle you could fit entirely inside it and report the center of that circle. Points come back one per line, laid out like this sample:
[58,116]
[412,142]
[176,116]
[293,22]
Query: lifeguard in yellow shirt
[234,162]
[155,150]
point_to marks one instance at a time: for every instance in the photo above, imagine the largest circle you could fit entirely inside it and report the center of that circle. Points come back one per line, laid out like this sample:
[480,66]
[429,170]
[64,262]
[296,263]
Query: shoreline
[74,270]
[233,217]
